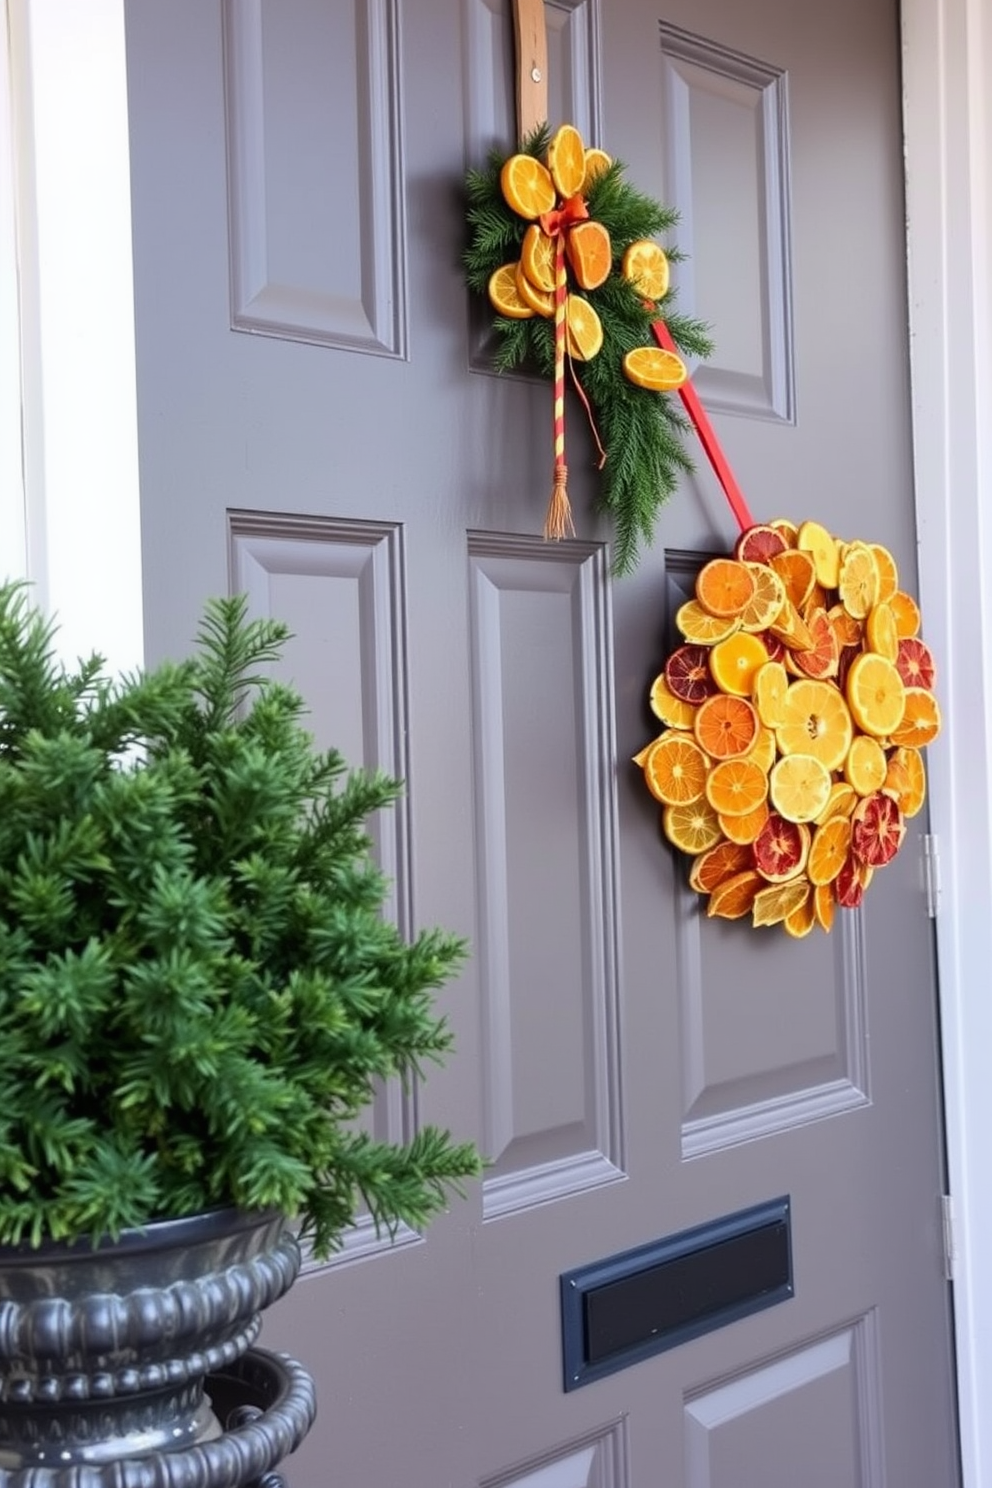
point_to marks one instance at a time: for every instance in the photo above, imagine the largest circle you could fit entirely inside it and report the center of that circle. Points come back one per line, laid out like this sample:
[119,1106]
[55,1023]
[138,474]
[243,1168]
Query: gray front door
[319,426]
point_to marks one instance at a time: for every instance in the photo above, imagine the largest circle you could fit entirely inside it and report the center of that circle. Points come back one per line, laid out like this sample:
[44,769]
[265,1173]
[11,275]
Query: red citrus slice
[759,544]
[915,663]
[687,672]
[877,830]
[820,659]
[781,849]
[849,885]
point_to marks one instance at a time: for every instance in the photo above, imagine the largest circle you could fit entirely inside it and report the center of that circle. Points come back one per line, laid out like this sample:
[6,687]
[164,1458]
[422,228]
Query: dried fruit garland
[795,714]
[563,247]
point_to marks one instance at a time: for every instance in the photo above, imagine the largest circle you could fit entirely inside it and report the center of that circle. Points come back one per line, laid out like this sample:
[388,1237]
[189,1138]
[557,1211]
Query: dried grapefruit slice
[527,186]
[726,727]
[765,605]
[698,625]
[888,574]
[798,574]
[597,164]
[815,721]
[781,849]
[537,258]
[815,540]
[724,587]
[675,769]
[820,659]
[687,672]
[691,828]
[759,544]
[589,253]
[735,897]
[799,787]
[771,683]
[905,780]
[735,787]
[880,631]
[865,766]
[656,369]
[857,585]
[875,694]
[775,903]
[584,329]
[829,850]
[849,885]
[920,723]
[877,830]
[735,662]
[505,296]
[744,829]
[717,864]
[566,161]
[674,711]
[914,663]
[907,613]
[646,266]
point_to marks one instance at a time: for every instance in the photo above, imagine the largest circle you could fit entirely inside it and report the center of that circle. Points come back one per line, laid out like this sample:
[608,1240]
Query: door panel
[319,427]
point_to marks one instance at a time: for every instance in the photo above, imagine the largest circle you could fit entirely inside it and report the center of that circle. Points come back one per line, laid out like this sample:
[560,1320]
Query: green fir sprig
[642,432]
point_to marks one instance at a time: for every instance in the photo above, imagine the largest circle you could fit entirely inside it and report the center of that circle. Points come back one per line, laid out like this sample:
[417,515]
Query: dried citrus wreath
[795,714]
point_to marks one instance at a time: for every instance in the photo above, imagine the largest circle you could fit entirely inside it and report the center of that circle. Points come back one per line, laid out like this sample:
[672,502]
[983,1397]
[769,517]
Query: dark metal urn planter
[134,1366]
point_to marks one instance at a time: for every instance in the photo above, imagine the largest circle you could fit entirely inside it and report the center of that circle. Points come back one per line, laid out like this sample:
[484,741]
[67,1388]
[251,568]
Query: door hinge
[947,1215]
[931,874]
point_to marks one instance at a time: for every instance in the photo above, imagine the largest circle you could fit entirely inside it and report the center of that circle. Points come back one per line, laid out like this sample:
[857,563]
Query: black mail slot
[620,1310]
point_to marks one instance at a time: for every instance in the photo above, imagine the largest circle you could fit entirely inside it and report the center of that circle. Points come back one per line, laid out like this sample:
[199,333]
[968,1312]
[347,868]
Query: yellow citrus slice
[537,257]
[816,721]
[726,727]
[691,828]
[857,586]
[822,548]
[775,903]
[765,749]
[744,829]
[735,662]
[724,587]
[736,786]
[675,769]
[646,266]
[829,850]
[823,906]
[905,780]
[698,625]
[717,864]
[654,368]
[876,694]
[920,723]
[597,164]
[505,296]
[802,919]
[590,254]
[765,604]
[539,300]
[865,766]
[791,629]
[566,160]
[799,787]
[674,711]
[888,574]
[770,687]
[880,631]
[735,896]
[584,328]
[527,186]
[906,612]
[841,802]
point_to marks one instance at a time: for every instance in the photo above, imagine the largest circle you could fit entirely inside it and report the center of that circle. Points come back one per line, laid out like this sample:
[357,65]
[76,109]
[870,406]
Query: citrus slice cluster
[795,715]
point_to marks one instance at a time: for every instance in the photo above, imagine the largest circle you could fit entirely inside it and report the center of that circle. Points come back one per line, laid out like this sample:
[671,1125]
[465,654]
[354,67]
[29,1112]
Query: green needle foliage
[198,991]
[641,431]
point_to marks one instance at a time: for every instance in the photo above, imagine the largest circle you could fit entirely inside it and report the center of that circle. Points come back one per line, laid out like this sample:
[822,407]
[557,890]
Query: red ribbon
[560,219]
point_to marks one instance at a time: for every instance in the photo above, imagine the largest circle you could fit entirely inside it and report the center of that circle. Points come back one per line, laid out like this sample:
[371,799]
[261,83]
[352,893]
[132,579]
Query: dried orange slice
[717,864]
[765,605]
[857,586]
[822,548]
[539,300]
[781,849]
[877,830]
[865,766]
[841,802]
[735,661]
[765,749]
[906,611]
[674,711]
[735,896]
[875,694]
[527,186]
[584,329]
[654,368]
[829,850]
[745,828]
[823,906]
[698,625]
[724,587]
[798,574]
[914,663]
[691,828]
[597,164]
[791,629]
[778,901]
[788,530]
[799,787]
[505,296]
[566,161]
[881,633]
[589,253]
[769,689]
[675,769]
[815,721]
[736,786]
[888,574]
[759,544]
[802,919]
[646,266]
[905,780]
[726,727]
[920,723]
[820,659]
[847,630]
[687,672]
[537,258]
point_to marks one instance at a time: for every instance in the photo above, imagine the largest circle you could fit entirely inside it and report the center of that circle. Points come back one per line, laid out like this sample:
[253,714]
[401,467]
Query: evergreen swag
[197,988]
[640,431]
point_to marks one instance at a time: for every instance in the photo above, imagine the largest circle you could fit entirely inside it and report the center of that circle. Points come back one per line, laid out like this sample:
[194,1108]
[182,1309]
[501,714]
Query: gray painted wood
[312,431]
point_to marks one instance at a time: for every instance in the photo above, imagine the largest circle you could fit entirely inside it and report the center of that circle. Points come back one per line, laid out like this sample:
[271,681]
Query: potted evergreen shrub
[198,993]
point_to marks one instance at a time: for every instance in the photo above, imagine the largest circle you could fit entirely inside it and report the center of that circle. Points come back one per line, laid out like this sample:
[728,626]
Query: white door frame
[76,531]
